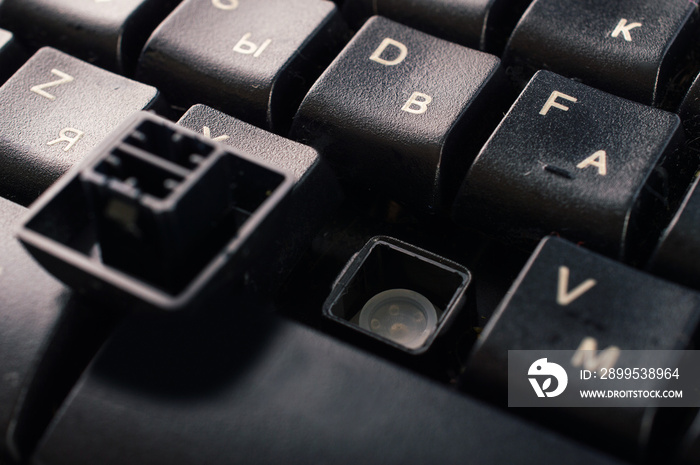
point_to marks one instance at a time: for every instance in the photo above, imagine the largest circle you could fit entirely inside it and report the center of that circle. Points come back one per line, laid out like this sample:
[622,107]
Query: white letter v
[564,297]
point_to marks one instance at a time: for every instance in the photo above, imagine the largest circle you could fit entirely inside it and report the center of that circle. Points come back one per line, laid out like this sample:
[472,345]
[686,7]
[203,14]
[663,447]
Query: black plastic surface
[251,59]
[56,109]
[46,340]
[566,294]
[395,117]
[12,55]
[315,194]
[632,49]
[238,385]
[570,159]
[480,24]
[106,33]
[689,112]
[677,256]
[155,216]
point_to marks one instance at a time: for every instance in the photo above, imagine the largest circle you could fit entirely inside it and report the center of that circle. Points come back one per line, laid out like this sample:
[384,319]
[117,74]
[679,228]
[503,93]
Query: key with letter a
[568,298]
[632,49]
[573,160]
[251,59]
[393,113]
[57,108]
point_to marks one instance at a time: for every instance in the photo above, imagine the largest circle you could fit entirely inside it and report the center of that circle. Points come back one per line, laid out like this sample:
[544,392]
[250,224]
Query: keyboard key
[106,33]
[573,160]
[260,389]
[627,48]
[678,255]
[174,216]
[567,298]
[689,450]
[12,55]
[403,296]
[251,59]
[28,315]
[480,24]
[689,112]
[315,195]
[57,108]
[391,110]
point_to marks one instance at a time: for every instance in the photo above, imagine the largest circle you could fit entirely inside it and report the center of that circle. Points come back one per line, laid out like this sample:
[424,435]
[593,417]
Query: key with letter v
[569,298]
[564,297]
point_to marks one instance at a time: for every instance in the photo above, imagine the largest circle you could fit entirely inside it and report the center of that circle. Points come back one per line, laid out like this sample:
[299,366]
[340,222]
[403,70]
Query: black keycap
[480,24]
[677,256]
[246,387]
[391,111]
[631,49]
[315,195]
[173,214]
[568,298]
[56,108]
[106,33]
[575,160]
[251,59]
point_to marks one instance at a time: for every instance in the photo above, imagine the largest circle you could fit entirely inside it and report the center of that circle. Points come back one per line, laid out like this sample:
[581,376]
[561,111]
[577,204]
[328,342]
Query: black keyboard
[304,231]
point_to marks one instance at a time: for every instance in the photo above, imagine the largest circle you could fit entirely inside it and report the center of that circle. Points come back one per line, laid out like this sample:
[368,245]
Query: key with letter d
[392,111]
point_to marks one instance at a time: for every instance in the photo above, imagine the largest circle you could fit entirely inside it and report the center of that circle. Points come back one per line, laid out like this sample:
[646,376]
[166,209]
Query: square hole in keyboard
[398,293]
